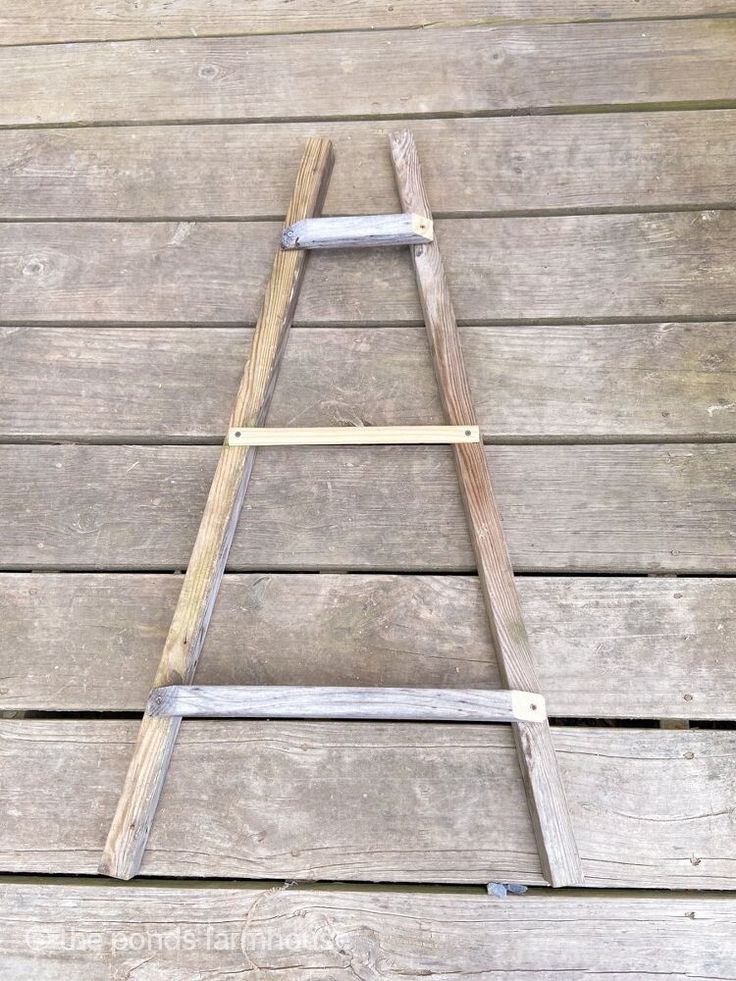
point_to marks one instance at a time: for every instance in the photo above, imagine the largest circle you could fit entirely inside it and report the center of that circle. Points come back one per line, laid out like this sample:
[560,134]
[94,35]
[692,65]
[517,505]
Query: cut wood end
[423,226]
[528,706]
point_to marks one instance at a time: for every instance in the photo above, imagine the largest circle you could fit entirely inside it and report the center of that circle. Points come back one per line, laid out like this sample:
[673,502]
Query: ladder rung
[397,704]
[350,435]
[361,231]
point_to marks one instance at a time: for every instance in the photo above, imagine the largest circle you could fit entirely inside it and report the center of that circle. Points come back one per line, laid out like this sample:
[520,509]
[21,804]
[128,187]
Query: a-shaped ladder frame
[173,696]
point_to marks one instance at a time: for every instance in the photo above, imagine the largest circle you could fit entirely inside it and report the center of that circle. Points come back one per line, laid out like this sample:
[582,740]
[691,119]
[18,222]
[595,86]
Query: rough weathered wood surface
[29,21]
[616,382]
[527,256]
[468,70]
[299,932]
[565,508]
[367,704]
[558,850]
[522,163]
[599,643]
[410,802]
[139,797]
[643,266]
[357,231]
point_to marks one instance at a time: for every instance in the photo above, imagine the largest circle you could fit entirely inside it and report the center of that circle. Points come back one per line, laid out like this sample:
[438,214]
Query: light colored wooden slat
[339,933]
[33,21]
[620,381]
[613,509]
[350,435]
[545,790]
[131,824]
[651,808]
[290,702]
[521,163]
[90,642]
[360,231]
[659,266]
[537,67]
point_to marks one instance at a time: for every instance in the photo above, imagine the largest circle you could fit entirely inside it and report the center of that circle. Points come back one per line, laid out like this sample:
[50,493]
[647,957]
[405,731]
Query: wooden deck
[579,160]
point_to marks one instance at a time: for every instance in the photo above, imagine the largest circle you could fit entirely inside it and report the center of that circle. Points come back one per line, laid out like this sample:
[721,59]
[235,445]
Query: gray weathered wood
[128,834]
[617,382]
[545,789]
[294,702]
[599,509]
[600,643]
[29,21]
[358,231]
[371,801]
[521,163]
[258,78]
[651,266]
[220,932]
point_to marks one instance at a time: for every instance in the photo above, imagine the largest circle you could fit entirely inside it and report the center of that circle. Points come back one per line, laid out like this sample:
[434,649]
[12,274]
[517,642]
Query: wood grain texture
[618,382]
[29,21]
[545,791]
[522,163]
[611,509]
[366,704]
[469,70]
[90,642]
[131,824]
[357,232]
[369,801]
[351,435]
[339,933]
[652,266]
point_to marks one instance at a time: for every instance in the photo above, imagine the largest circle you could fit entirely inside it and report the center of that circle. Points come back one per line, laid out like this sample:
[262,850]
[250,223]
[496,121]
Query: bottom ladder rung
[294,702]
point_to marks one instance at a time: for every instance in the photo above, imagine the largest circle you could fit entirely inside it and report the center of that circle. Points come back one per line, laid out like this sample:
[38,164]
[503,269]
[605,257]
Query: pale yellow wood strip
[350,435]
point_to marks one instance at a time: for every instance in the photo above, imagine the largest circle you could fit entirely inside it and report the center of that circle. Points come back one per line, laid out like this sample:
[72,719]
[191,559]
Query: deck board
[668,266]
[217,932]
[91,642]
[624,508]
[469,70]
[613,382]
[34,21]
[590,248]
[368,801]
[521,163]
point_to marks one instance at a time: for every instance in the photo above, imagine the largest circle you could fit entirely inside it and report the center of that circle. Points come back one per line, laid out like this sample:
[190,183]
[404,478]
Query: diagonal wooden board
[146,774]
[545,790]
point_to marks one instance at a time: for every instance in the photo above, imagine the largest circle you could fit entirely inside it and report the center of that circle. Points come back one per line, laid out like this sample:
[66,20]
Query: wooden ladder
[173,696]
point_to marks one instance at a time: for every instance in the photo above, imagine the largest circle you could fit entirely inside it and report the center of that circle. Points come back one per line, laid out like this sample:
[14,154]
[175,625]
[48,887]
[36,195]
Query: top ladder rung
[360,231]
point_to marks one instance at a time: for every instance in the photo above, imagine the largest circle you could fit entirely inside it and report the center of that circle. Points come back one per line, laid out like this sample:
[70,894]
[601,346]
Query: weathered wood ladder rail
[173,696]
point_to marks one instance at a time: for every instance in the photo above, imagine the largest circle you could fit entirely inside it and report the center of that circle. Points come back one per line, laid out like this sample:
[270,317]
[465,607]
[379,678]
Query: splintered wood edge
[359,231]
[372,703]
[350,435]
